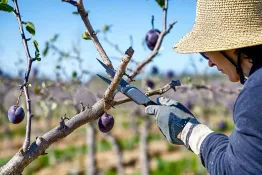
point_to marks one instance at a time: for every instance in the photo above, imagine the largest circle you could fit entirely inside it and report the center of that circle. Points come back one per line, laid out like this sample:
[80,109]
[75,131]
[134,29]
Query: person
[228,33]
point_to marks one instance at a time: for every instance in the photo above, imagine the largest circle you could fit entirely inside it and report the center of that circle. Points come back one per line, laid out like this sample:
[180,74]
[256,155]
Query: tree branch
[118,50]
[158,44]
[22,159]
[92,33]
[160,91]
[210,88]
[118,76]
[25,86]
[37,148]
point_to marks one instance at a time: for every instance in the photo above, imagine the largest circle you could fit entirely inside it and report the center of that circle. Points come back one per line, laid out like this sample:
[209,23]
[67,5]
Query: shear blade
[108,70]
[109,81]
[123,83]
[104,79]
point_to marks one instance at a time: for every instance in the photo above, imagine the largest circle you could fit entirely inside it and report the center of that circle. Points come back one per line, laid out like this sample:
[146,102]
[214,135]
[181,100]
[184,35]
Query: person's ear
[233,54]
[236,51]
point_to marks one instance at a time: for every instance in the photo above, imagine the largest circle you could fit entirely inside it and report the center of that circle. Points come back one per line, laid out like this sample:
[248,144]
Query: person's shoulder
[252,92]
[255,80]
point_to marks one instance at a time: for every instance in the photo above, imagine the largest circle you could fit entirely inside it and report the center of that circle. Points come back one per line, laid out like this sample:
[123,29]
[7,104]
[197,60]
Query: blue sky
[127,17]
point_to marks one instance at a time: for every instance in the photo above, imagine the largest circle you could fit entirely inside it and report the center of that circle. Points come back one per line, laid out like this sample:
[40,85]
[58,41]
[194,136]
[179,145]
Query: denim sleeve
[241,152]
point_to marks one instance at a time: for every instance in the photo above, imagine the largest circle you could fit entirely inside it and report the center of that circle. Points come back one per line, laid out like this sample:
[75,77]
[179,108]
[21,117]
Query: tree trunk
[118,153]
[144,158]
[91,155]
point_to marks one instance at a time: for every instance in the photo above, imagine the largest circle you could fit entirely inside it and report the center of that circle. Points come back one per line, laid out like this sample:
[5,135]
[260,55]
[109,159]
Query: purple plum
[150,84]
[222,125]
[151,38]
[106,123]
[154,70]
[170,74]
[16,114]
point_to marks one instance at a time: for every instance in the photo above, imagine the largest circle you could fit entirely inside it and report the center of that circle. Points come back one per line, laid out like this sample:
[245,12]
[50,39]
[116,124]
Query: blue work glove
[171,117]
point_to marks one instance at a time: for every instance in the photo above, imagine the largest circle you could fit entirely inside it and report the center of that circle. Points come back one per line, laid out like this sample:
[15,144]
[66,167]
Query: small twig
[210,88]
[18,99]
[159,91]
[158,44]
[113,45]
[118,50]
[76,57]
[24,86]
[74,3]
[131,40]
[92,33]
[82,106]
[62,122]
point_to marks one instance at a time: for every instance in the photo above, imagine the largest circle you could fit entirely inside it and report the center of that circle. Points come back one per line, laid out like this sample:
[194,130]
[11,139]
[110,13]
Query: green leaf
[30,28]
[36,45]
[74,74]
[66,55]
[37,90]
[58,67]
[4,1]
[75,13]
[161,3]
[106,28]
[189,80]
[6,7]
[86,37]
[46,48]
[37,56]
[28,84]
[54,38]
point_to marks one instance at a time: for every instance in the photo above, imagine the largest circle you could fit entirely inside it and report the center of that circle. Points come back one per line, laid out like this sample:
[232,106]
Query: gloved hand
[178,124]
[171,117]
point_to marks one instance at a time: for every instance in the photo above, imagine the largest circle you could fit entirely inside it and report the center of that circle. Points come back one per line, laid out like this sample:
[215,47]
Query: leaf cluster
[5,7]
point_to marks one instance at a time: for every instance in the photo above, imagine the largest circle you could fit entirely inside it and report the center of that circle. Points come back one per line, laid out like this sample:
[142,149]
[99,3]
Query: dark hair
[254,56]
[252,53]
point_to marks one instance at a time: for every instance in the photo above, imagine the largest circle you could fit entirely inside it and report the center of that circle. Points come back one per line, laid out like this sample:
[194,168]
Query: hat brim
[197,41]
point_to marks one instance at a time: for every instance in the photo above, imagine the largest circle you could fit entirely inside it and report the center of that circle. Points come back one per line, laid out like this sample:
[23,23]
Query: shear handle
[150,103]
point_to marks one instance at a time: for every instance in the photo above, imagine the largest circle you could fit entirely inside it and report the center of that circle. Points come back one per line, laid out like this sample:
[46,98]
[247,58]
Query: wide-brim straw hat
[223,25]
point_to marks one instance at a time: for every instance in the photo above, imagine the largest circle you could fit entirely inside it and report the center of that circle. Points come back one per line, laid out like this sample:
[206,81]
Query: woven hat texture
[223,25]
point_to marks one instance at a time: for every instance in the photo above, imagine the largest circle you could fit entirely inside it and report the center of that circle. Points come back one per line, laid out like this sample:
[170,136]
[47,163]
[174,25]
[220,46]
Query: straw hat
[223,25]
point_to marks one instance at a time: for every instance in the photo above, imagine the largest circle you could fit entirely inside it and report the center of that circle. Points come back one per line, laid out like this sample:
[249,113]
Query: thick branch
[118,76]
[22,159]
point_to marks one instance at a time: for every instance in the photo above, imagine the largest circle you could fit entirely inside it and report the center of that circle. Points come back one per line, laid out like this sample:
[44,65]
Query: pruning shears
[131,91]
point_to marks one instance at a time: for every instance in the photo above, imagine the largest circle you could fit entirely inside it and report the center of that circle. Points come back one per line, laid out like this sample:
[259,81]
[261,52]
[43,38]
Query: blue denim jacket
[241,152]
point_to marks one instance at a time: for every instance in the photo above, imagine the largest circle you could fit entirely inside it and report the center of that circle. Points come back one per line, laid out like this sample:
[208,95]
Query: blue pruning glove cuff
[176,126]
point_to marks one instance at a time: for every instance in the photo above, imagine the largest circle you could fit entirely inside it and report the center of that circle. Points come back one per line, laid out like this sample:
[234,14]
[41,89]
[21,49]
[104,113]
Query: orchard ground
[69,156]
